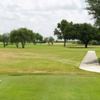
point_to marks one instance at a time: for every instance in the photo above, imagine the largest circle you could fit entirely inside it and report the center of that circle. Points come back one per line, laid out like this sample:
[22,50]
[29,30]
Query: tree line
[65,30]
[83,32]
[23,36]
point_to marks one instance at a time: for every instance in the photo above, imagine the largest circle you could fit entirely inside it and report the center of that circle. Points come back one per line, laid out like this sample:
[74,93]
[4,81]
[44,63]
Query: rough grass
[41,59]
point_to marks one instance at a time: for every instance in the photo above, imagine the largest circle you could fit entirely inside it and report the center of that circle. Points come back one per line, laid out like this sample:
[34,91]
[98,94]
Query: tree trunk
[7,44]
[52,43]
[64,42]
[34,42]
[86,45]
[4,44]
[23,45]
[17,45]
[48,43]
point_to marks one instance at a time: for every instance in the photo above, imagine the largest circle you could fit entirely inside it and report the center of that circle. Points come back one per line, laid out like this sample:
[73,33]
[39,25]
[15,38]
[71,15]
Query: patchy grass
[56,74]
[41,58]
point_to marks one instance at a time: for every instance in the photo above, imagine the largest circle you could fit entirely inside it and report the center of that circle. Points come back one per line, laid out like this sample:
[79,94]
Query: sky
[41,15]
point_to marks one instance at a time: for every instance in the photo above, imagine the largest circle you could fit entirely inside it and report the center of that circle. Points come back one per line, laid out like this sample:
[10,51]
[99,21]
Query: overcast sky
[40,15]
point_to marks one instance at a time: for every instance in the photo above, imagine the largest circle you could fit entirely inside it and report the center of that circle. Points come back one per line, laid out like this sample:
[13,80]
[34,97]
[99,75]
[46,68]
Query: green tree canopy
[49,40]
[83,32]
[5,39]
[94,9]
[86,33]
[22,36]
[64,30]
[38,38]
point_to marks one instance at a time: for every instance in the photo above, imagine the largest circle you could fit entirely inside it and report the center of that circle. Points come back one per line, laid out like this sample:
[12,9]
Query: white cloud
[40,15]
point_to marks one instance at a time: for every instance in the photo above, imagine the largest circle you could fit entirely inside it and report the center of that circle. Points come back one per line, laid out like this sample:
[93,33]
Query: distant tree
[0,38]
[49,40]
[5,39]
[94,8]
[58,34]
[33,38]
[22,36]
[86,33]
[38,38]
[15,37]
[97,37]
[45,40]
[64,30]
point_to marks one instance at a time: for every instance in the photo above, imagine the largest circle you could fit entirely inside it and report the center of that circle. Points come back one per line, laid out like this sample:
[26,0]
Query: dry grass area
[40,59]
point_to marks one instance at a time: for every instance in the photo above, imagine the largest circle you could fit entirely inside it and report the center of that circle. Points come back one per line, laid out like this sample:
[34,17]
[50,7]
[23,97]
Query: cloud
[40,15]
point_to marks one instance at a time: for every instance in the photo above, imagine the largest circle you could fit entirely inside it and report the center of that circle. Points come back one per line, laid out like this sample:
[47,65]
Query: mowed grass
[45,72]
[49,87]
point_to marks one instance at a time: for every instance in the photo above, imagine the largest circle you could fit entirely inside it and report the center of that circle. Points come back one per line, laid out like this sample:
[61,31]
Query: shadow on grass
[94,61]
[23,74]
[79,72]
[81,47]
[99,60]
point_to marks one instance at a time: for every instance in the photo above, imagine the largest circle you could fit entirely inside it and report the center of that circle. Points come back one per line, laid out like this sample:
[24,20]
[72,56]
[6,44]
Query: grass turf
[74,85]
[49,87]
